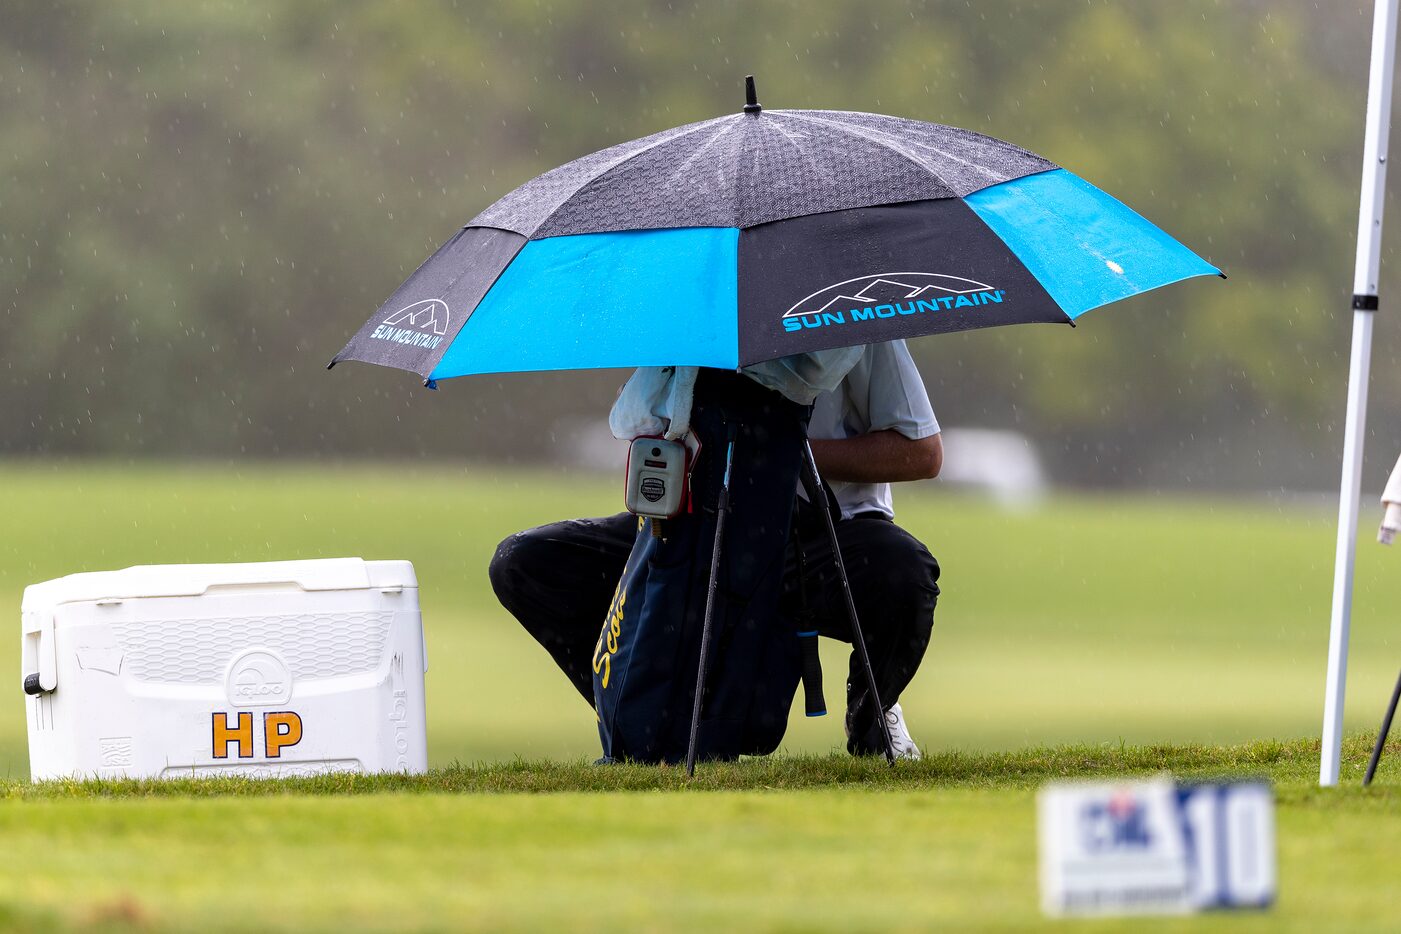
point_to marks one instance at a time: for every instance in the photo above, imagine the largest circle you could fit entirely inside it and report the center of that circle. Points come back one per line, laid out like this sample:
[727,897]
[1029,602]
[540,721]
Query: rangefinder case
[656,474]
[272,669]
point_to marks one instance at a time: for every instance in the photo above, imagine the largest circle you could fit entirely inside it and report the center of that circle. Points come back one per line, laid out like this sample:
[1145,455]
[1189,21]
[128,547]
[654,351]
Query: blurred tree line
[200,202]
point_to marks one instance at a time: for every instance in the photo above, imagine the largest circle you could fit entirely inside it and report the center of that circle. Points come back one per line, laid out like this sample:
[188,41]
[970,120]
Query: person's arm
[879,457]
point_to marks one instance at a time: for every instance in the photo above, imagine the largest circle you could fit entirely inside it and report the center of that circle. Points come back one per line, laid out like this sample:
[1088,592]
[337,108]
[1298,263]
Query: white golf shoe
[900,738]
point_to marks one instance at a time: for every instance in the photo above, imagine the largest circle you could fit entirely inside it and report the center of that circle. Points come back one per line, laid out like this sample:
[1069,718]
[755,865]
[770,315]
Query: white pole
[1364,303]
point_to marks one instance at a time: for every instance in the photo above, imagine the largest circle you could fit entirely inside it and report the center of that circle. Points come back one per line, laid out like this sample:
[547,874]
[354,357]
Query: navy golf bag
[647,655]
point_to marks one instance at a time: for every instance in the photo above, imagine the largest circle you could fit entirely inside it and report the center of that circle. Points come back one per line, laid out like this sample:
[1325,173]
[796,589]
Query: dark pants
[558,579]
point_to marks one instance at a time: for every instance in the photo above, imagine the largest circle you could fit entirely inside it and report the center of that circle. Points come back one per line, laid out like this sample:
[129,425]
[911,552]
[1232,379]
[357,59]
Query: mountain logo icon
[884,288]
[429,316]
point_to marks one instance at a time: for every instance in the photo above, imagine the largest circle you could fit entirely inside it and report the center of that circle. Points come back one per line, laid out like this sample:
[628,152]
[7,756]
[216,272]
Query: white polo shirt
[883,391]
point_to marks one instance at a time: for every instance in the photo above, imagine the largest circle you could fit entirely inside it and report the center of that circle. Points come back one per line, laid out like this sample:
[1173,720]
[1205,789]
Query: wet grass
[778,844]
[1089,637]
[1288,763]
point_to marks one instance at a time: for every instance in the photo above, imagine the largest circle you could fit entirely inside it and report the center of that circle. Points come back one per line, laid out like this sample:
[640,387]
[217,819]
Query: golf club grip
[815,705]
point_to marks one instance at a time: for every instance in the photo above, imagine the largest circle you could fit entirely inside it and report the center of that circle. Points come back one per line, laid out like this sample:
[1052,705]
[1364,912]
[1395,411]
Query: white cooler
[274,669]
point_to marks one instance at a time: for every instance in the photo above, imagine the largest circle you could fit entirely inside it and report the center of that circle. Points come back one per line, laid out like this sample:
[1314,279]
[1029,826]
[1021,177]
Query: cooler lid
[190,580]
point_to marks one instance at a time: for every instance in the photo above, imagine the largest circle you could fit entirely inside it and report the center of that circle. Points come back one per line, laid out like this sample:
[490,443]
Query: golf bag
[647,654]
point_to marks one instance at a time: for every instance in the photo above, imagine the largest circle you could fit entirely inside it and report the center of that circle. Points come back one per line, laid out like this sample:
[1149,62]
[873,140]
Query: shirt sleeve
[805,376]
[896,396]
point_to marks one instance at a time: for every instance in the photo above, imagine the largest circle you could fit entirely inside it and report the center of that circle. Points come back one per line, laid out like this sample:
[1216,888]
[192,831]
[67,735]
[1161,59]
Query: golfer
[875,428]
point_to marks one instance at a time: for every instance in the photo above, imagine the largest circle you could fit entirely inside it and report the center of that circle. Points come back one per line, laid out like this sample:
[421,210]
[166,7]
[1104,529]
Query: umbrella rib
[741,213]
[690,160]
[704,124]
[897,146]
[792,139]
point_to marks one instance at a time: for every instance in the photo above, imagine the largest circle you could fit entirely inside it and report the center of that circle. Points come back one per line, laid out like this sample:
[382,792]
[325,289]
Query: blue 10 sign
[1230,843]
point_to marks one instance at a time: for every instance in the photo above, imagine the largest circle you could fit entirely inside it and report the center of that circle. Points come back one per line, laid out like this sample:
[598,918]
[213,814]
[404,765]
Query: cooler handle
[39,659]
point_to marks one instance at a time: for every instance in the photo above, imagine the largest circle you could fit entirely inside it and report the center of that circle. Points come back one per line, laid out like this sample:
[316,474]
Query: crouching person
[874,427]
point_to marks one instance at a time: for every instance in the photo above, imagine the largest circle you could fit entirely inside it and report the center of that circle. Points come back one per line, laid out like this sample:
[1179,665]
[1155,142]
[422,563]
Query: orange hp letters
[281,728]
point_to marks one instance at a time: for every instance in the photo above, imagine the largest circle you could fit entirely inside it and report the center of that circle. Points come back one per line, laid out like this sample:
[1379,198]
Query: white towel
[656,400]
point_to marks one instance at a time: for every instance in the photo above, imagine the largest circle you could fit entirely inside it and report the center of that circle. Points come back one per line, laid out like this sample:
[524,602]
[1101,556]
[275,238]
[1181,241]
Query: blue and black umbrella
[766,233]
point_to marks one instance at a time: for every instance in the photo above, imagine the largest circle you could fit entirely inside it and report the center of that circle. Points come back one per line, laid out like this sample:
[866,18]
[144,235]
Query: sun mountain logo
[422,324]
[888,295]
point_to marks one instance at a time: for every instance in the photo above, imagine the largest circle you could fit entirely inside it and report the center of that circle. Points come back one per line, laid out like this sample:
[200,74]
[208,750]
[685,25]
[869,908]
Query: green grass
[1293,763]
[811,843]
[1148,632]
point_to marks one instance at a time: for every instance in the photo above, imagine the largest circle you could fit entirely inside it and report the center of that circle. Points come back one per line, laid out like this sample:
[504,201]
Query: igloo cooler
[272,669]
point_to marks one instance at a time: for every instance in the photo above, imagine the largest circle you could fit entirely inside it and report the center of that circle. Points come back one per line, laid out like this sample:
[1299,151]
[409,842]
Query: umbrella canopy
[766,233]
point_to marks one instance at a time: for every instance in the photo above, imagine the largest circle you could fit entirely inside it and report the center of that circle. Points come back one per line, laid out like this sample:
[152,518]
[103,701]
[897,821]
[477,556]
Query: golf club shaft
[1382,734]
[721,508]
[858,639]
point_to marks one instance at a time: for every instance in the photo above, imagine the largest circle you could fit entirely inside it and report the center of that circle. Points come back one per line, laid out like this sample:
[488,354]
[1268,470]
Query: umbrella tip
[751,97]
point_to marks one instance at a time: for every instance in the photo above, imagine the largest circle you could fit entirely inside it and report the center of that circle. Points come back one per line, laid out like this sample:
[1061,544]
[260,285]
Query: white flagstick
[1364,303]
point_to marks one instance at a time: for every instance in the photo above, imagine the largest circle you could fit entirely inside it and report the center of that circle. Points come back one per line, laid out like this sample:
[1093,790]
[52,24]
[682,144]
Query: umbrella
[761,234]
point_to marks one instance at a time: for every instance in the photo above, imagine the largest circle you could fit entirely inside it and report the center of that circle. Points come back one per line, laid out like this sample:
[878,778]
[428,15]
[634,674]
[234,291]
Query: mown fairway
[1092,620]
[1089,620]
[780,844]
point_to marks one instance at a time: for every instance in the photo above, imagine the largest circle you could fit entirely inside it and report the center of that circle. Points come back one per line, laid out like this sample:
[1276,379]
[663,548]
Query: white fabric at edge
[656,400]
